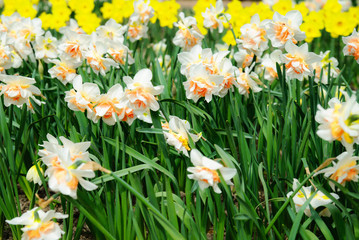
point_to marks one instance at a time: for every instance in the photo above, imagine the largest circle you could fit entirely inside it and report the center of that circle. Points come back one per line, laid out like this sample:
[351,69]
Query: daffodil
[352,45]
[285,28]
[179,133]
[39,224]
[18,90]
[319,199]
[344,170]
[188,34]
[340,121]
[214,17]
[299,61]
[206,172]
[253,36]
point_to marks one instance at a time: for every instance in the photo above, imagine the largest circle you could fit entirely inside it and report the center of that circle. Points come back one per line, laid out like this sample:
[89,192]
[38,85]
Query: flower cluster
[118,104]
[211,74]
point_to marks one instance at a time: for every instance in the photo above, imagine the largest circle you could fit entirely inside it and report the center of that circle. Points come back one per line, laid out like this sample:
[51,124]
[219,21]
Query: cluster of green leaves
[269,137]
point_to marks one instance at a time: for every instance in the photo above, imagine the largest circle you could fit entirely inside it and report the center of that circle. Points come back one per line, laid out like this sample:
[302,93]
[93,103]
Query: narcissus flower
[285,28]
[178,134]
[64,69]
[206,172]
[141,93]
[299,61]
[39,225]
[253,36]
[352,45]
[269,65]
[82,96]
[67,165]
[340,121]
[248,80]
[214,17]
[319,199]
[201,84]
[33,174]
[18,90]
[344,170]
[188,34]
[321,68]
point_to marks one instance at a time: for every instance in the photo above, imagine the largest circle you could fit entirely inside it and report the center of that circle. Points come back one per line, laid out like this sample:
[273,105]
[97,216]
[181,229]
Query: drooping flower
[205,171]
[39,225]
[344,170]
[178,134]
[33,174]
[352,45]
[319,199]
[299,61]
[340,121]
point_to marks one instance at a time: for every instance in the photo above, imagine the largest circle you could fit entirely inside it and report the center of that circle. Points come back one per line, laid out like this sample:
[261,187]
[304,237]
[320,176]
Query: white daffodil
[82,96]
[205,171]
[178,134]
[344,170]
[214,17]
[39,225]
[247,80]
[253,36]
[319,199]
[45,47]
[18,90]
[340,121]
[64,69]
[201,84]
[188,34]
[323,65]
[352,45]
[285,28]
[299,61]
[269,65]
[141,93]
[106,107]
[112,31]
[33,175]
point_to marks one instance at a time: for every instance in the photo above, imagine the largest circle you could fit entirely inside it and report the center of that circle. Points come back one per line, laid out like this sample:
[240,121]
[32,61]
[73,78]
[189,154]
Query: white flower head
[299,61]
[344,170]
[285,28]
[178,134]
[214,17]
[39,225]
[205,171]
[352,45]
[319,199]
[339,121]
